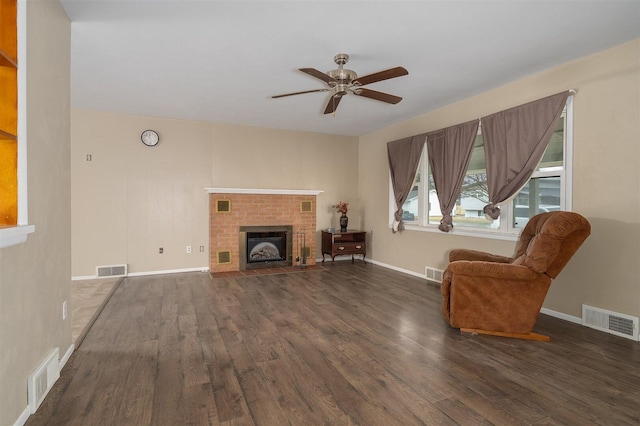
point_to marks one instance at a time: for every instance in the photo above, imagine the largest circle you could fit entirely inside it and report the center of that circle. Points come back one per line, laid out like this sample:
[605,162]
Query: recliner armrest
[475,255]
[505,271]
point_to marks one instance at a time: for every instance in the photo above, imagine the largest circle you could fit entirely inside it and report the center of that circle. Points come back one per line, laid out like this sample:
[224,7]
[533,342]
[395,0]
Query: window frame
[505,231]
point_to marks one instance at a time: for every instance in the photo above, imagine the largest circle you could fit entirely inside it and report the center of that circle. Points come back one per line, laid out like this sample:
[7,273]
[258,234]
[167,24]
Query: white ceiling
[221,61]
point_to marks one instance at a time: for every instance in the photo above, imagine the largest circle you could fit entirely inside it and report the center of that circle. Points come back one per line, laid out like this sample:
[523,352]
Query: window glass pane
[410,206]
[474,195]
[554,154]
[539,195]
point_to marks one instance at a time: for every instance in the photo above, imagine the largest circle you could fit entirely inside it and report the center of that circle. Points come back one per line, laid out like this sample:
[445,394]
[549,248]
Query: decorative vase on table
[344,221]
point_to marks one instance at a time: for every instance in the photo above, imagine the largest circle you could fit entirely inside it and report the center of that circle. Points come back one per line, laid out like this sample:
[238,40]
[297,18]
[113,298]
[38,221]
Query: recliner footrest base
[528,336]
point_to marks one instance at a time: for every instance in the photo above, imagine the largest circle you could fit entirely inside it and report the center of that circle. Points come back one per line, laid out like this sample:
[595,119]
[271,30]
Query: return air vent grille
[42,379]
[223,206]
[224,256]
[611,322]
[111,271]
[306,206]
[433,274]
[305,251]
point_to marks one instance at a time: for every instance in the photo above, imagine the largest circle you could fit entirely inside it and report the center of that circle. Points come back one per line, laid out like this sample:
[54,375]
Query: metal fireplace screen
[265,246]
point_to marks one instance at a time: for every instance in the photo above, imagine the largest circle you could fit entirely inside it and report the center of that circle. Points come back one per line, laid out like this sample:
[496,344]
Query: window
[548,189]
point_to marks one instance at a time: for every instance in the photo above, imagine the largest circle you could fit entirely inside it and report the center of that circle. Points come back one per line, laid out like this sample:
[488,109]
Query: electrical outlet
[64,310]
[188,249]
[201,249]
[161,250]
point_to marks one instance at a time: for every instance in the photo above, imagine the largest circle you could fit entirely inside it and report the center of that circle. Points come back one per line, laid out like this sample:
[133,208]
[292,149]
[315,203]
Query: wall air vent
[433,274]
[223,206]
[306,206]
[42,379]
[224,256]
[305,251]
[111,271]
[611,322]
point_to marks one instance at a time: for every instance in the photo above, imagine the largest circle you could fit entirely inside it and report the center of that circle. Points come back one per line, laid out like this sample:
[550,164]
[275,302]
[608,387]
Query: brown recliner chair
[491,294]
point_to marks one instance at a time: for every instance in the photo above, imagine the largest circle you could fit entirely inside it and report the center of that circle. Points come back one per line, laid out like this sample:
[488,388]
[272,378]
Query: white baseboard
[562,316]
[140,274]
[168,271]
[395,268]
[85,277]
[24,416]
[66,356]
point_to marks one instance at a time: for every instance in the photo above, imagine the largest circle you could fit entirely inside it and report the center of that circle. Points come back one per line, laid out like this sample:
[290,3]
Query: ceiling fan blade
[378,96]
[319,74]
[332,106]
[300,93]
[381,75]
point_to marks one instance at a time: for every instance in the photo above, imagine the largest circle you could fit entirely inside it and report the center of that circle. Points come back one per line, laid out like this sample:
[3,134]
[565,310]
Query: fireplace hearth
[265,246]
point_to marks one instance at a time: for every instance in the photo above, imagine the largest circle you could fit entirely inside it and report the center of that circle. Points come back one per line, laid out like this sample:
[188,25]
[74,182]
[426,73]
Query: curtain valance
[514,142]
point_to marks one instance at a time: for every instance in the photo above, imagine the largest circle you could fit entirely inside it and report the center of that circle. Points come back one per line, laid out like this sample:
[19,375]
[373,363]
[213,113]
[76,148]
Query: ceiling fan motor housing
[343,76]
[344,79]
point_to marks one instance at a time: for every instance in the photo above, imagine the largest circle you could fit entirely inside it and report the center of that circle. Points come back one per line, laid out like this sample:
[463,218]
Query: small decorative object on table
[344,220]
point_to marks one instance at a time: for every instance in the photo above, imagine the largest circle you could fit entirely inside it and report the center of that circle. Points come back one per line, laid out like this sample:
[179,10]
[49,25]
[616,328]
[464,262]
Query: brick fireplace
[232,208]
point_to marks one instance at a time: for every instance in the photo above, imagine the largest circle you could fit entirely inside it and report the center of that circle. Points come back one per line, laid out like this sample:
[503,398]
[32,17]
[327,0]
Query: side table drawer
[351,247]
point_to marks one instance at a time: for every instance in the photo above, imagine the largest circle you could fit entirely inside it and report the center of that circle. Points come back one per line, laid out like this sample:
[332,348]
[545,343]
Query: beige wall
[605,272]
[35,275]
[251,157]
[130,200]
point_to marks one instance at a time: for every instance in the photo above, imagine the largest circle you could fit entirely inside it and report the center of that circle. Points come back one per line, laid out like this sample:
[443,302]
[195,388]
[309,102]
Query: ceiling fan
[343,81]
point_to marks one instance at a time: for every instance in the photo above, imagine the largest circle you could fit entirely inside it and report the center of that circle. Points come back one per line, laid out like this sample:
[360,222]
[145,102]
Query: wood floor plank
[344,344]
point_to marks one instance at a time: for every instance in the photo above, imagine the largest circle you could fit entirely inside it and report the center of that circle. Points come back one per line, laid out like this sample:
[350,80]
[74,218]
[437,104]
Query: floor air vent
[433,274]
[42,379]
[611,322]
[111,271]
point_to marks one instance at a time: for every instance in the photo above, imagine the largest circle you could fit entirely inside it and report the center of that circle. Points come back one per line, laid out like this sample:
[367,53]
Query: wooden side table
[351,242]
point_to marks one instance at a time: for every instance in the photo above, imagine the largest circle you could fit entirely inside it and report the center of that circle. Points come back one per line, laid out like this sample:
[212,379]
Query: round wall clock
[150,138]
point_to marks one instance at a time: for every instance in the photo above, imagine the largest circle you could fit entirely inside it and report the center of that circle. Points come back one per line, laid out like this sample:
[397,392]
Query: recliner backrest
[549,240]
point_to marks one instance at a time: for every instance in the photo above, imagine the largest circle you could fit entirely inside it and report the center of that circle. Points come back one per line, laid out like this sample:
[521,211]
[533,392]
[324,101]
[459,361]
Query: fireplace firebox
[265,246]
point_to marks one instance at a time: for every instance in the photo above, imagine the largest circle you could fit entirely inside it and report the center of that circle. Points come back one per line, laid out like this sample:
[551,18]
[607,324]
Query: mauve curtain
[404,157]
[514,142]
[449,152]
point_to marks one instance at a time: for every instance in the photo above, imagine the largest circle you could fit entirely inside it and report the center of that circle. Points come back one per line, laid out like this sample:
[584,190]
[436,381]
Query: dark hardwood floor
[347,344]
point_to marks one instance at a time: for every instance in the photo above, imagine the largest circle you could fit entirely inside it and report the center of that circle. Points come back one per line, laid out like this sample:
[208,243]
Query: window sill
[15,235]
[463,232]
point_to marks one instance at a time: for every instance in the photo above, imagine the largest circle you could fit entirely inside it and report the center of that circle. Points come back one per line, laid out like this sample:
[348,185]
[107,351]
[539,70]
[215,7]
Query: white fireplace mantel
[263,191]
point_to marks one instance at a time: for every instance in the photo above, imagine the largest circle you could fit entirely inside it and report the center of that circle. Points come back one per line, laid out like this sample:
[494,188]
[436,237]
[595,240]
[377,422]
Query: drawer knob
[340,248]
[358,247]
